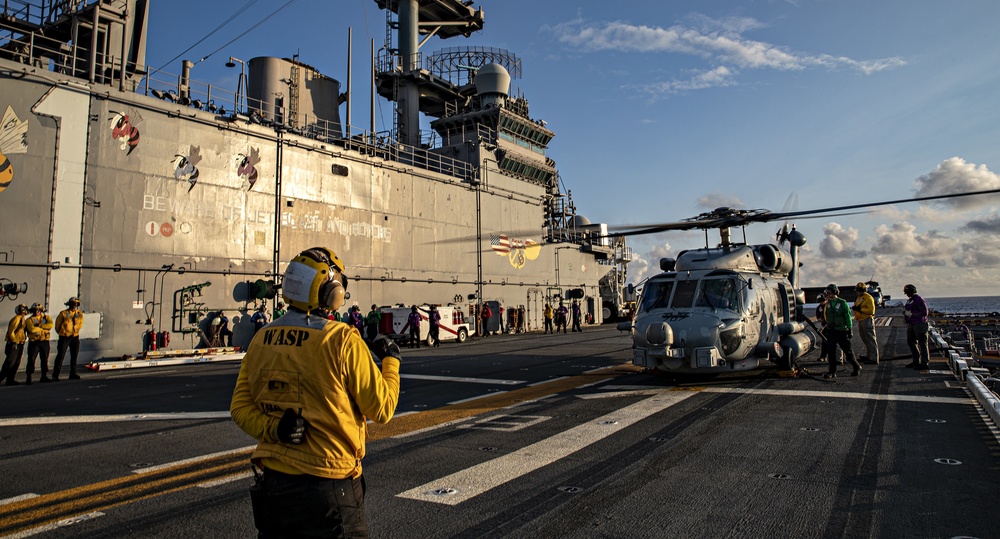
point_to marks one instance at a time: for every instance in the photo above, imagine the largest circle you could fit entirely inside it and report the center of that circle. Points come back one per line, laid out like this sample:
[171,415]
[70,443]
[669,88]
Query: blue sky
[663,110]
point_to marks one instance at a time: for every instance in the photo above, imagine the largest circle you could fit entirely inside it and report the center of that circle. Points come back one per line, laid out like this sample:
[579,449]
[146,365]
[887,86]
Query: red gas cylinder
[149,341]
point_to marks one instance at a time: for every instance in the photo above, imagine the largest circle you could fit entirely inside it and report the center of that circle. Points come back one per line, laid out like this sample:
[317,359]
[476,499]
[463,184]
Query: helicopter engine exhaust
[798,344]
[789,328]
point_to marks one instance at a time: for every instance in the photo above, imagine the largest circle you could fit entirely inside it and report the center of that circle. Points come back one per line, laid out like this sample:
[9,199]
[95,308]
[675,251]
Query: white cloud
[839,242]
[644,266]
[955,175]
[712,201]
[716,78]
[923,213]
[721,43]
[984,225]
[902,239]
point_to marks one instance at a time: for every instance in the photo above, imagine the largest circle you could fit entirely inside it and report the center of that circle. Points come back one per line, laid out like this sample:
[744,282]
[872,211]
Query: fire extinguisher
[163,339]
[149,341]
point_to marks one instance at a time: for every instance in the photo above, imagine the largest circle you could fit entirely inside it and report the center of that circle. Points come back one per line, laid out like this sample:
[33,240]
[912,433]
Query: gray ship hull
[87,214]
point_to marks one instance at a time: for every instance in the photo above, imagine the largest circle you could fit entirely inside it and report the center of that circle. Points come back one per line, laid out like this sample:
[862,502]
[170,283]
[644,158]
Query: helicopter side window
[684,297]
[718,294]
[656,295]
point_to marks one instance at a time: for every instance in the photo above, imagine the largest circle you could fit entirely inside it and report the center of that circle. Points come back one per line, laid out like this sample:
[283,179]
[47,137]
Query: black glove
[850,334]
[384,347]
[291,428]
[856,308]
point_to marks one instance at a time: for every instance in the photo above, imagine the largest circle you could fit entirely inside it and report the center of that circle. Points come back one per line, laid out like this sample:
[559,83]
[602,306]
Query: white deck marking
[547,381]
[20,498]
[224,480]
[59,420]
[470,482]
[49,527]
[840,395]
[624,390]
[477,397]
[461,379]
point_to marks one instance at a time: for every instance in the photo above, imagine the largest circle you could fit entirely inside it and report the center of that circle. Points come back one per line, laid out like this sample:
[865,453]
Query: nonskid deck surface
[530,435]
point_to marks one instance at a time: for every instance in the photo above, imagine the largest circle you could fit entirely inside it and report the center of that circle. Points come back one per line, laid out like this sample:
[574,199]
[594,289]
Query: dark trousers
[37,349]
[308,506]
[576,323]
[434,333]
[73,344]
[12,361]
[548,325]
[415,337]
[840,338]
[916,339]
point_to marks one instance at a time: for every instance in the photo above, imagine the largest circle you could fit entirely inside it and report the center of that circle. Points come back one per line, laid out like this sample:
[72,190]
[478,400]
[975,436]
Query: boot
[44,379]
[28,381]
[74,376]
[55,378]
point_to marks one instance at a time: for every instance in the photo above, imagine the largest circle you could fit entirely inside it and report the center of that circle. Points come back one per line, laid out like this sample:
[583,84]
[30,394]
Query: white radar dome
[579,221]
[492,79]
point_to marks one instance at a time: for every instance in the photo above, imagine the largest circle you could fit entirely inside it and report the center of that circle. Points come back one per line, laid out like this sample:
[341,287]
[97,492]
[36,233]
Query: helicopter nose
[660,334]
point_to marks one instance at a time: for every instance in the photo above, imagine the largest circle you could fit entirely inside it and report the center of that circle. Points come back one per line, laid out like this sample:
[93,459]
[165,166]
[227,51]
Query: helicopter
[733,307]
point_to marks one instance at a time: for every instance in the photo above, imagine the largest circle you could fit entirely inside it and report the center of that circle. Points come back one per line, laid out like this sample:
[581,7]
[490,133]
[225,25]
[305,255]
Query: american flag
[500,244]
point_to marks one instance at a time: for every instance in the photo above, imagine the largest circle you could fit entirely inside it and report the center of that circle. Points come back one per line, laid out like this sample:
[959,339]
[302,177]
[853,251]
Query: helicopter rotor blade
[883,203]
[731,218]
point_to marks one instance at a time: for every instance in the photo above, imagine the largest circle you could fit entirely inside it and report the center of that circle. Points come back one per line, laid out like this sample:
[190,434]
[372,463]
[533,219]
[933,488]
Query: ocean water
[976,304]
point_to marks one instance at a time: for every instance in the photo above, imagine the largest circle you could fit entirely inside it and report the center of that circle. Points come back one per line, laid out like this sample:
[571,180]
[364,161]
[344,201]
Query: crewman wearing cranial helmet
[14,347]
[68,325]
[306,387]
[38,327]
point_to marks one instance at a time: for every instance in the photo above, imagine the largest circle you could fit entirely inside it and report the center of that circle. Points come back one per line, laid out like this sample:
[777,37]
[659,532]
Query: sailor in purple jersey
[915,314]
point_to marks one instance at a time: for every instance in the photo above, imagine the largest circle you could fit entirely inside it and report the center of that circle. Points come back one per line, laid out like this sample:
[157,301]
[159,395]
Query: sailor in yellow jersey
[38,327]
[305,389]
[68,325]
[14,347]
[864,314]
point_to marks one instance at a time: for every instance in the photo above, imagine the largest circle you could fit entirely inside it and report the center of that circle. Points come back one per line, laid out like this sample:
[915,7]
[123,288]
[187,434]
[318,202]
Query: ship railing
[39,13]
[23,39]
[30,47]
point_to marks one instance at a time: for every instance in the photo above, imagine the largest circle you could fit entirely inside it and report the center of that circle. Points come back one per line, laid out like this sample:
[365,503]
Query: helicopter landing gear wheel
[785,361]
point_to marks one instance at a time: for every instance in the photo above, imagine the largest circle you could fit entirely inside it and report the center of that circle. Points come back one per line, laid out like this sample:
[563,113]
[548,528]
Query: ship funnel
[492,83]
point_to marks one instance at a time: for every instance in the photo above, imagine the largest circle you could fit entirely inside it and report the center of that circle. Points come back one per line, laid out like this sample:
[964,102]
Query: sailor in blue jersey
[915,314]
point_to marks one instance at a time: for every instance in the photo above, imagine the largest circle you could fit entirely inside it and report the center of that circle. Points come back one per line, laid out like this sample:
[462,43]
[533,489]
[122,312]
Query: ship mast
[407,80]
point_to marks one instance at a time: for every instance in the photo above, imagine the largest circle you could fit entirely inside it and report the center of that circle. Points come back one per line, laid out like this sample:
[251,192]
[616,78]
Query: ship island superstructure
[159,200]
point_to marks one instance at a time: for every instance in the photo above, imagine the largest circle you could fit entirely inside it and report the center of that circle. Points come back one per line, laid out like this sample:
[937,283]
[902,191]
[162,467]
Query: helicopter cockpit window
[718,294]
[656,295]
[684,297]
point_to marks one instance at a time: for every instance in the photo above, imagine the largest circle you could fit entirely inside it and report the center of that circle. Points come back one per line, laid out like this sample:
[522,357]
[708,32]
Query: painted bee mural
[185,166]
[246,166]
[13,139]
[123,131]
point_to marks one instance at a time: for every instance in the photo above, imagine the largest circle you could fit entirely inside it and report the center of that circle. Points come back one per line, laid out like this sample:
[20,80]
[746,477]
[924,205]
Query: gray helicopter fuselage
[719,310]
